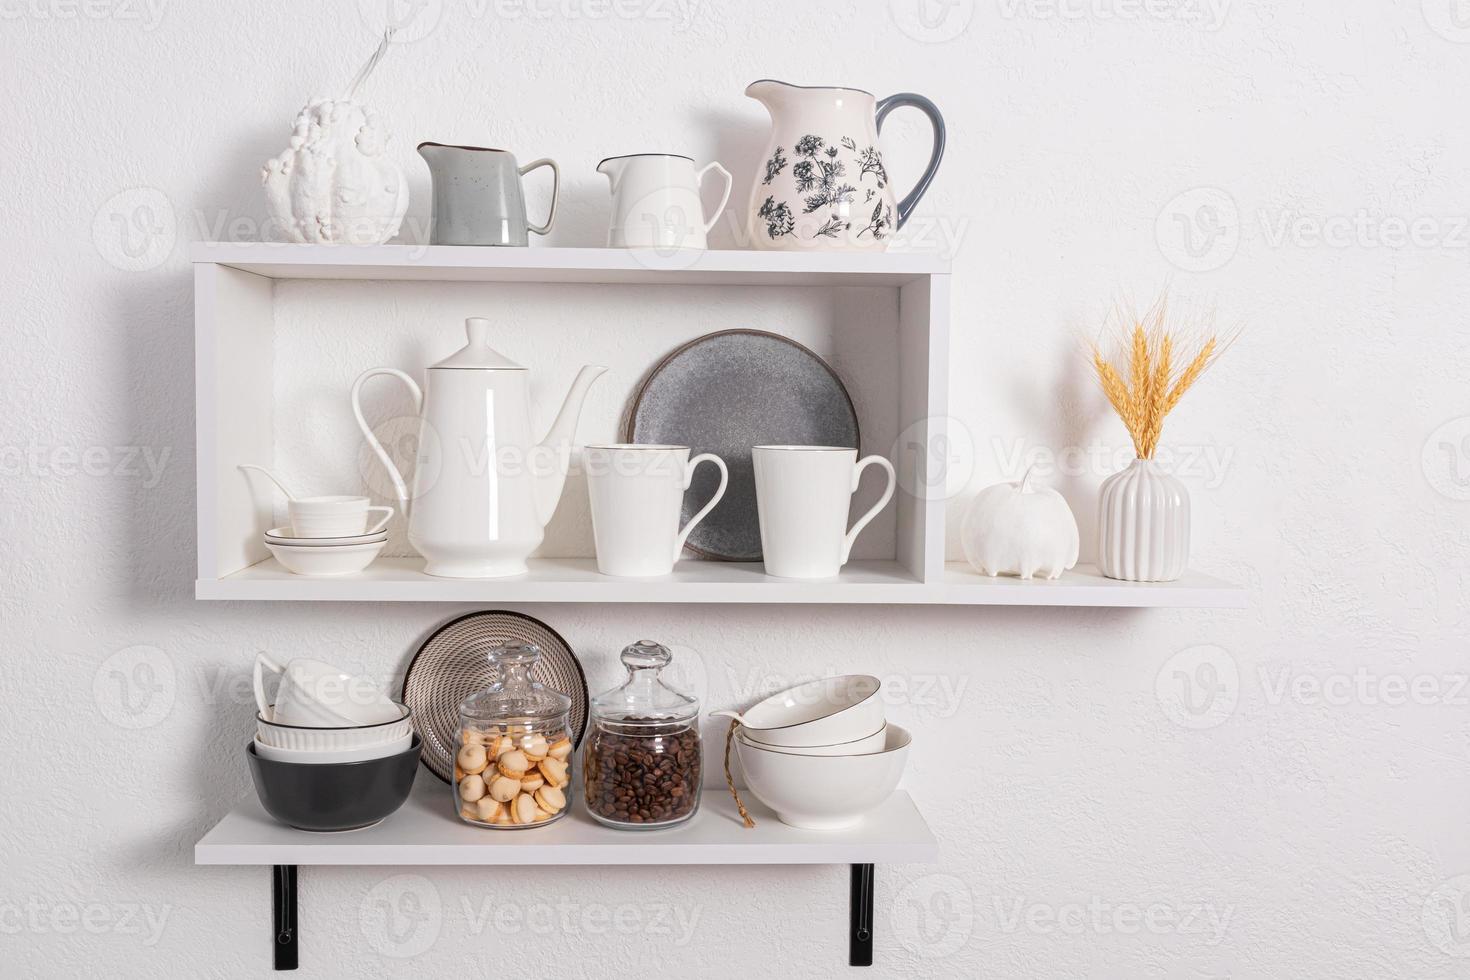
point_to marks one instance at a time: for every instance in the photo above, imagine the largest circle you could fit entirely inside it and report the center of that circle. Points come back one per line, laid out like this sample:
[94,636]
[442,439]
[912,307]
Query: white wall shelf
[885,317]
[450,263]
[425,832]
[577,580]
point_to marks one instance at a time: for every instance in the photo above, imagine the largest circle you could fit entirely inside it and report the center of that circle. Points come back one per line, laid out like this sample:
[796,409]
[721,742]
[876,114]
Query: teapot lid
[478,354]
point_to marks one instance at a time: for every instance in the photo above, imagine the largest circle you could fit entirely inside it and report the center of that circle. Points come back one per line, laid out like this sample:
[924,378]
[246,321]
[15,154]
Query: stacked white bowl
[323,715]
[821,755]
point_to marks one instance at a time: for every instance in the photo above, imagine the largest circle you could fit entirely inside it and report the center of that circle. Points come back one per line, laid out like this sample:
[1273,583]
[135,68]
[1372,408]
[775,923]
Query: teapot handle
[555,190]
[399,487]
[898,101]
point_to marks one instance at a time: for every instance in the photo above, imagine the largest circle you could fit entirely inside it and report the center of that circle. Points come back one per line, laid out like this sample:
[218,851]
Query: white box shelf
[881,318]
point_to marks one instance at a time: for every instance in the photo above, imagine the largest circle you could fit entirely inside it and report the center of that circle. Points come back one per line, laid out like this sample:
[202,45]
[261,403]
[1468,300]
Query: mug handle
[689,478]
[898,101]
[862,522]
[264,662]
[719,208]
[555,190]
[387,516]
[399,486]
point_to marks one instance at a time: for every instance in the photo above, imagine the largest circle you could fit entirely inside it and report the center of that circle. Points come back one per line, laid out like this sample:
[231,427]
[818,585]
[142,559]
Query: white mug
[334,517]
[655,201]
[803,494]
[637,494]
[313,694]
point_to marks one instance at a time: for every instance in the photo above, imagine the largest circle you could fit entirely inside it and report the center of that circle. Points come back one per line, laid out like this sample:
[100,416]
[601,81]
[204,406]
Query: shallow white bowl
[862,746]
[319,562]
[325,756]
[283,535]
[824,792]
[302,738]
[829,711]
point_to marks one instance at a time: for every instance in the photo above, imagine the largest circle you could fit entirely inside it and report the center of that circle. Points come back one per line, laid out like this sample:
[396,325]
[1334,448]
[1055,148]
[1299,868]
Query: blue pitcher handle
[898,101]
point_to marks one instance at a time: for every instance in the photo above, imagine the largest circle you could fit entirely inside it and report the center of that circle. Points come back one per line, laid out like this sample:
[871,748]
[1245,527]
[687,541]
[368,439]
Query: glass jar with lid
[513,753]
[641,762]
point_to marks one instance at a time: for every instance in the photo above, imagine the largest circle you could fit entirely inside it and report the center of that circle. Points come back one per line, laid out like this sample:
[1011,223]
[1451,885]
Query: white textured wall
[1273,792]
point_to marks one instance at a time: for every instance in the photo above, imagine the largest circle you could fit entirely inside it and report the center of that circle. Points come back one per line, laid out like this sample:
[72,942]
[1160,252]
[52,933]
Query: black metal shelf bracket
[860,934]
[285,932]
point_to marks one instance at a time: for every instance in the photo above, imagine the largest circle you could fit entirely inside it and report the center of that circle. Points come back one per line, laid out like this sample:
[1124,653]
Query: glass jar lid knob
[646,653]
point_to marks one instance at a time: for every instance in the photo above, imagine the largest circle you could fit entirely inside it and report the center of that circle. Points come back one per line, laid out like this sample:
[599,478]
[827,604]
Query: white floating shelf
[426,832]
[727,267]
[577,580]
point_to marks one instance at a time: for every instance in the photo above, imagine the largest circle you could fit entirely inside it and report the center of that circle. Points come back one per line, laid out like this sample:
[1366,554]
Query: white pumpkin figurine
[336,183]
[1018,529]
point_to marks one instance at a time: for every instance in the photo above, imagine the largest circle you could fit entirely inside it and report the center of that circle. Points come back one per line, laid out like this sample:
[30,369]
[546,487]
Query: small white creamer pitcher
[655,201]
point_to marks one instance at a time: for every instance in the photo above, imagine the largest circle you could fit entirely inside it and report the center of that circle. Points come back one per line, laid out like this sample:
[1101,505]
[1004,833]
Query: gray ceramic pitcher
[478,198]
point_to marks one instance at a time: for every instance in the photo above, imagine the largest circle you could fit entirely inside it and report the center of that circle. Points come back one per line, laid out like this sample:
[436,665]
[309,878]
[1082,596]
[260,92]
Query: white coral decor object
[1019,529]
[336,183]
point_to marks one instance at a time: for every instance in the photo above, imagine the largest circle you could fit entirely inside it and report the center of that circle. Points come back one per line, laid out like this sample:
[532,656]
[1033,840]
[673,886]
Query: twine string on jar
[730,780]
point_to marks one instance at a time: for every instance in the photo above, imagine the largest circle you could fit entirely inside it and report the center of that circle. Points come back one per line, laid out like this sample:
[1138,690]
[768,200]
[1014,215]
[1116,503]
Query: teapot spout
[558,443]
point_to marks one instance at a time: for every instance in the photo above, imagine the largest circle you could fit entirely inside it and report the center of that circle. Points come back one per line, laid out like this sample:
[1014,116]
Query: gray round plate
[724,393]
[453,664]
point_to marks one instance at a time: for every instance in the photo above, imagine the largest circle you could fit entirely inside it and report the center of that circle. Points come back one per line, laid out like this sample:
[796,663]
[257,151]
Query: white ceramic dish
[829,711]
[824,792]
[320,562]
[862,746]
[282,535]
[302,738]
[319,757]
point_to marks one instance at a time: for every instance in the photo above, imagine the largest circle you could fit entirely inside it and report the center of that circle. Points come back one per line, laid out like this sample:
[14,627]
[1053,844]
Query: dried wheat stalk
[1154,385]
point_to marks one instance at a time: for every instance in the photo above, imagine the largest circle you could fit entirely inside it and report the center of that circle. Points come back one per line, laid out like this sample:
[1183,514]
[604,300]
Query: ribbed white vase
[1143,525]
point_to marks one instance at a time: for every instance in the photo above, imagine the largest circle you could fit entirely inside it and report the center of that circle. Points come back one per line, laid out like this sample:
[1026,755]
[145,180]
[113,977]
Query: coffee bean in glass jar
[642,772]
[641,763]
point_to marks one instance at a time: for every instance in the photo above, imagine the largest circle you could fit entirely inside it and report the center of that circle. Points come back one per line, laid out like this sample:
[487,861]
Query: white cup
[637,494]
[313,694]
[803,494]
[335,516]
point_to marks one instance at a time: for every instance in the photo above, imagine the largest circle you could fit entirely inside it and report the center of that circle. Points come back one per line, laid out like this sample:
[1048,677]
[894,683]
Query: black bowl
[334,795]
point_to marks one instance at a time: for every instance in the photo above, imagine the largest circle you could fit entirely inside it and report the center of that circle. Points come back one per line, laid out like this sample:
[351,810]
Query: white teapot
[483,489]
